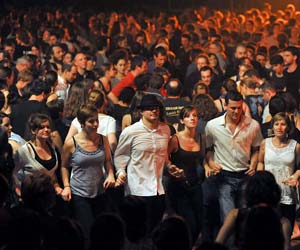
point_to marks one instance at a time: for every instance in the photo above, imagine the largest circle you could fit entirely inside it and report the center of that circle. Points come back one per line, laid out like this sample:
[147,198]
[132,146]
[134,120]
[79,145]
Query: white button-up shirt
[233,150]
[143,152]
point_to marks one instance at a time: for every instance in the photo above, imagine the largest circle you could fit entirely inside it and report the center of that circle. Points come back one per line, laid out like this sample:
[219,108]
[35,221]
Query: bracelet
[67,186]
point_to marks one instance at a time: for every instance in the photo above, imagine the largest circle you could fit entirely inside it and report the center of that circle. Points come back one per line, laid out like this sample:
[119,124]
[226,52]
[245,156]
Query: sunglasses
[150,107]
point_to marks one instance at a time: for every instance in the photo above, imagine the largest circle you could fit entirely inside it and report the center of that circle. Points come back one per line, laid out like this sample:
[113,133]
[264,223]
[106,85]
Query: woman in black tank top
[184,187]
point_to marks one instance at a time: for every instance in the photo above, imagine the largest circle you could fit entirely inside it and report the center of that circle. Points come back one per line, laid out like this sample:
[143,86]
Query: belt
[237,174]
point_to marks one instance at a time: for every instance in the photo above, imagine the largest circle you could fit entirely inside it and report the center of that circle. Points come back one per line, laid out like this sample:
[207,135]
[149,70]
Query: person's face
[140,40]
[242,70]
[35,51]
[58,53]
[185,42]
[111,72]
[151,114]
[160,60]
[67,58]
[213,61]
[206,77]
[121,66]
[144,68]
[213,49]
[6,123]
[44,131]
[262,60]
[10,50]
[80,61]
[91,124]
[280,128]
[201,62]
[234,110]
[240,52]
[191,120]
[278,68]
[53,40]
[288,58]
[71,75]
[201,90]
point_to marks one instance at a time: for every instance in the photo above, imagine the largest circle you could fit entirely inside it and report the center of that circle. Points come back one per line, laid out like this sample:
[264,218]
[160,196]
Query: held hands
[66,193]
[250,171]
[109,182]
[291,181]
[120,180]
[212,168]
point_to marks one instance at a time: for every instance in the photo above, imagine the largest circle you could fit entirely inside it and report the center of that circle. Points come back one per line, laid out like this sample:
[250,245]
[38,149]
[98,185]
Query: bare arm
[110,180]
[261,156]
[114,99]
[253,161]
[112,140]
[72,131]
[67,152]
[126,121]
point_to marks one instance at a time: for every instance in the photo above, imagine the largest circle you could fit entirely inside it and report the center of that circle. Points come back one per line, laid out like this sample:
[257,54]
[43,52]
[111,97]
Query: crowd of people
[149,131]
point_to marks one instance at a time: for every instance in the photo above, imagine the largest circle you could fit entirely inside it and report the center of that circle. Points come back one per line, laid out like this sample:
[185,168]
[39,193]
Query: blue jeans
[229,188]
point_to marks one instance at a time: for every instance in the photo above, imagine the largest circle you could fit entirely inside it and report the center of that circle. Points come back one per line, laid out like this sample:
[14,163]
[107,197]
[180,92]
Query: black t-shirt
[293,83]
[173,107]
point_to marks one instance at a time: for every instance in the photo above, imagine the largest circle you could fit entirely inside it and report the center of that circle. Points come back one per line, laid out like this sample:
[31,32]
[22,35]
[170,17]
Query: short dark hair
[126,95]
[234,96]
[137,61]
[159,50]
[38,87]
[156,81]
[277,59]
[206,68]
[294,50]
[276,104]
[85,112]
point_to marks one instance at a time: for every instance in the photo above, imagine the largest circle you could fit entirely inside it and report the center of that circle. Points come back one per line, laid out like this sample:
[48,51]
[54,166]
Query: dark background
[132,5]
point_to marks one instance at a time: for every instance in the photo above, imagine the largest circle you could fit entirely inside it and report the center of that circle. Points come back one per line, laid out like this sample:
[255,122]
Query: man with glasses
[141,156]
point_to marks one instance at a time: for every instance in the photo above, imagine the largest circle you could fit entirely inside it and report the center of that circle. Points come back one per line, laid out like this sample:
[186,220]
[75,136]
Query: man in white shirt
[232,143]
[140,157]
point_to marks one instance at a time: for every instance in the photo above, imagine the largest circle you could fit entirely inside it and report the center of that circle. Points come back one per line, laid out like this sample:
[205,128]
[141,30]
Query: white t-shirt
[107,125]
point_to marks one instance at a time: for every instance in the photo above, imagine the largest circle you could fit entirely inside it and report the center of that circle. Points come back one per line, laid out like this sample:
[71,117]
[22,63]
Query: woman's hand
[175,171]
[58,190]
[66,194]
[109,182]
[291,181]
[120,180]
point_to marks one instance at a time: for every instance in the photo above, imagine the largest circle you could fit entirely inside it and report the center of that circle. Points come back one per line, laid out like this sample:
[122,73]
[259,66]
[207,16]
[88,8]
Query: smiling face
[43,132]
[91,124]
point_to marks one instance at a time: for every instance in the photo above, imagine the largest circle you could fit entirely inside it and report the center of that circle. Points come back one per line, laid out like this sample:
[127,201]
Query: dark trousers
[85,210]
[211,215]
[185,199]
[155,209]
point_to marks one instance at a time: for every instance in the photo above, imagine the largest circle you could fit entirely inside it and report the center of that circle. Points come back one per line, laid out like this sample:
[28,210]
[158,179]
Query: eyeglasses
[150,108]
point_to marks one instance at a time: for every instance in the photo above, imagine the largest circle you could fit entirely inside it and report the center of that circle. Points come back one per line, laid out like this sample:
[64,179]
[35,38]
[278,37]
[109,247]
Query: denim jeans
[229,187]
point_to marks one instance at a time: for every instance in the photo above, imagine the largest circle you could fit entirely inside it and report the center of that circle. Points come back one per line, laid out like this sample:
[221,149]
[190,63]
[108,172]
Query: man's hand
[120,180]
